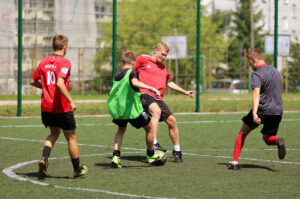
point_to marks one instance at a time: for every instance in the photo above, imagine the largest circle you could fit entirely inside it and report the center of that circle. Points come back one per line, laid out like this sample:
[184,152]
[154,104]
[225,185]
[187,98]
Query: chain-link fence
[140,25]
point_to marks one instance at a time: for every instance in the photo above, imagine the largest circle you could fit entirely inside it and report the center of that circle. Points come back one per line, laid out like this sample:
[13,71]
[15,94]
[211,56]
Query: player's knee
[171,121]
[265,138]
[156,113]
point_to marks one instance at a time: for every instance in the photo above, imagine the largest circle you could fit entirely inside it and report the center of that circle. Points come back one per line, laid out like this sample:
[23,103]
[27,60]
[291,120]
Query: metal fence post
[276,34]
[198,55]
[114,39]
[20,51]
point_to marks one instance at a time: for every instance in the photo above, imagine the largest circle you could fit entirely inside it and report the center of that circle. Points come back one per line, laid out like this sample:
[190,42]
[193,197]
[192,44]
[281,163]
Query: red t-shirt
[153,74]
[49,70]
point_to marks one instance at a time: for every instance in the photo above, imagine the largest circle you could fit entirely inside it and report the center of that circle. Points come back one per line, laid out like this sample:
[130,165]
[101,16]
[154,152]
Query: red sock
[272,140]
[239,143]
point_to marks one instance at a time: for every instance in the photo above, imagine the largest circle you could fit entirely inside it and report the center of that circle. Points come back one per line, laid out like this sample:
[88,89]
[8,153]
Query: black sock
[150,153]
[117,153]
[46,153]
[75,163]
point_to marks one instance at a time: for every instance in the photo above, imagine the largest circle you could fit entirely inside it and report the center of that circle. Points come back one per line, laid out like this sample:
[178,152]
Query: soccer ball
[162,160]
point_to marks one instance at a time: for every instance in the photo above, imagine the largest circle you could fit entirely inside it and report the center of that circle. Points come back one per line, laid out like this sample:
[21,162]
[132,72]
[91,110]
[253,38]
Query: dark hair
[59,41]
[255,53]
[128,58]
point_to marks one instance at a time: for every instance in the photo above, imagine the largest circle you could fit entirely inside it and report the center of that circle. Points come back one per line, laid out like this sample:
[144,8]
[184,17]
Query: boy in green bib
[124,106]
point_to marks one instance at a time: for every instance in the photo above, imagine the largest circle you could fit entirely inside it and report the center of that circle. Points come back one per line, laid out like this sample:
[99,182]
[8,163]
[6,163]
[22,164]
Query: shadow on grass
[37,175]
[251,166]
[129,158]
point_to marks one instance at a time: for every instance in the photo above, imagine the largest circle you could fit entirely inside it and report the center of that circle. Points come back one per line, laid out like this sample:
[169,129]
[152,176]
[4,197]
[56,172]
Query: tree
[142,23]
[294,66]
[240,34]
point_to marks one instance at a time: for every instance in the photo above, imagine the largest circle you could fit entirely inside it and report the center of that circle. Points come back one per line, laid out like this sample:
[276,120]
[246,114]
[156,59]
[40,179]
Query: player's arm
[255,103]
[136,83]
[35,83]
[177,88]
[64,91]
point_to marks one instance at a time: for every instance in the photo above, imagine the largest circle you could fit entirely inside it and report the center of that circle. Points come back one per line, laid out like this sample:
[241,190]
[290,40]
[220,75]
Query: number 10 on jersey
[51,78]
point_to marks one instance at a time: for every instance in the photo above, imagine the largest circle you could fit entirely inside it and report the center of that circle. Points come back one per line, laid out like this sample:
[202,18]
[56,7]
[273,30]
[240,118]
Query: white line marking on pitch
[111,124]
[253,159]
[192,154]
[92,145]
[135,149]
[39,125]
[9,171]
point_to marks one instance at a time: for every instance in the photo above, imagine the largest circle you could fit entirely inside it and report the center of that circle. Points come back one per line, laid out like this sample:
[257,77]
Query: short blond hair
[162,46]
[255,53]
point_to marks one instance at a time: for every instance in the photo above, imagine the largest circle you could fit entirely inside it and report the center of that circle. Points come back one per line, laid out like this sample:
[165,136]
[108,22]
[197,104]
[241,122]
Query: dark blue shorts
[270,123]
[138,122]
[65,121]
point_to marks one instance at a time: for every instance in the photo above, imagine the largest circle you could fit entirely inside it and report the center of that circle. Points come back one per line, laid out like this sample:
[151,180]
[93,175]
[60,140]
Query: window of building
[47,15]
[285,24]
[27,41]
[294,11]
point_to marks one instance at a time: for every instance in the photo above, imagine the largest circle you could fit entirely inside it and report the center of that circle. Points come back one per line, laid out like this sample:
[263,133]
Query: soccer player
[125,106]
[53,76]
[153,73]
[266,107]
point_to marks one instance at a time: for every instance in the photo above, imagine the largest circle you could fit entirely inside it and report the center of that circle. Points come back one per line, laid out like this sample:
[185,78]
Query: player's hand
[256,119]
[73,106]
[190,93]
[157,92]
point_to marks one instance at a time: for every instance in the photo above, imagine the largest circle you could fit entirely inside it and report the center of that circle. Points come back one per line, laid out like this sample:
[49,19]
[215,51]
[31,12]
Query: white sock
[154,141]
[234,162]
[176,148]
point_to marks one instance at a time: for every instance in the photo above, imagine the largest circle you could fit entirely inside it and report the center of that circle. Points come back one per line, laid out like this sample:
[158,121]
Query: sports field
[207,141]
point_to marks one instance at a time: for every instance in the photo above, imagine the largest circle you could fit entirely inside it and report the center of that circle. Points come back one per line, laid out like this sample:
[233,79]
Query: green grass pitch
[207,141]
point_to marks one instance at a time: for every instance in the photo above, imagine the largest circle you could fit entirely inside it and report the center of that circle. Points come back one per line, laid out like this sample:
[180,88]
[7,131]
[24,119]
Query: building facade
[42,19]
[288,17]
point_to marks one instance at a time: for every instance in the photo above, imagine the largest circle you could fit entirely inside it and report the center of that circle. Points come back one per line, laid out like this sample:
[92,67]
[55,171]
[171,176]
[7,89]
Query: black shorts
[65,121]
[270,122]
[138,122]
[147,100]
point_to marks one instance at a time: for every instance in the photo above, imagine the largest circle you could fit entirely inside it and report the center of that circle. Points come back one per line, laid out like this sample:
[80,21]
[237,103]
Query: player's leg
[146,122]
[239,143]
[116,163]
[269,131]
[155,112]
[274,140]
[153,157]
[174,135]
[48,145]
[49,142]
[152,107]
[119,139]
[248,126]
[157,157]
[74,153]
[122,124]
[270,139]
[149,137]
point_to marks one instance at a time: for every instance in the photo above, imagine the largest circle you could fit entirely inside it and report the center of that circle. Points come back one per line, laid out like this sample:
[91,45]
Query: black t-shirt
[134,74]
